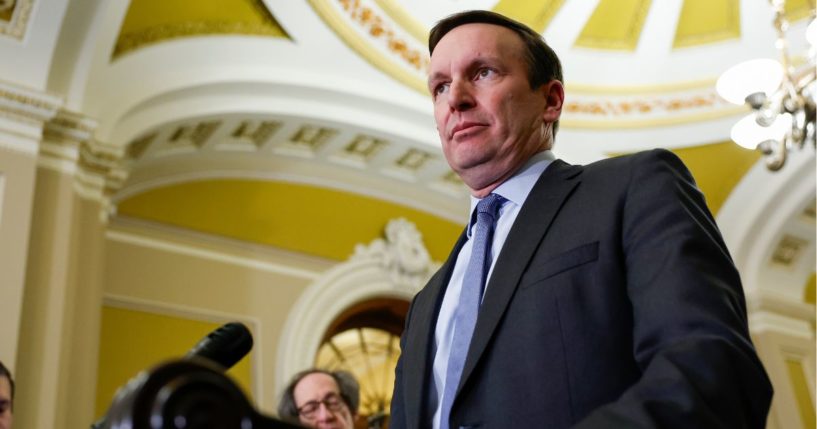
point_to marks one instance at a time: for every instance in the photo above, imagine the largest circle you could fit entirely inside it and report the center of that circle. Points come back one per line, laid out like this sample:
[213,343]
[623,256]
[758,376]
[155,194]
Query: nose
[460,96]
[324,413]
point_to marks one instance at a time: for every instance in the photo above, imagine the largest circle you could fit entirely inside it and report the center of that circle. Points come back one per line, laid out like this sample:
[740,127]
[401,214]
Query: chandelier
[780,93]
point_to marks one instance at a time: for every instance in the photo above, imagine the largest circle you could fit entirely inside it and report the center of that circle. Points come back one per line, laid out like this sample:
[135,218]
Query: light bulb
[811,32]
[748,133]
[750,77]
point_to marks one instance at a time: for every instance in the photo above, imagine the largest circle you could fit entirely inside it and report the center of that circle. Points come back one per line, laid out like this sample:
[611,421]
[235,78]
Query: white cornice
[27,102]
[203,253]
[23,113]
[762,322]
[762,301]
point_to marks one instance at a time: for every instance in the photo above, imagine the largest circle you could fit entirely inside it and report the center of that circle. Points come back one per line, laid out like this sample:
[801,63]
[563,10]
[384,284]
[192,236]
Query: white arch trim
[394,267]
[756,214]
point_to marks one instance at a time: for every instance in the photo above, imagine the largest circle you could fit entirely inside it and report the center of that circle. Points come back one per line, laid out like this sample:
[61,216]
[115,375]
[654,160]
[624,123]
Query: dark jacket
[613,303]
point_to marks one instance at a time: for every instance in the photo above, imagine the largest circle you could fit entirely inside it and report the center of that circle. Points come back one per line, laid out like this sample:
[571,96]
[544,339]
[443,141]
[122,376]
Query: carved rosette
[401,253]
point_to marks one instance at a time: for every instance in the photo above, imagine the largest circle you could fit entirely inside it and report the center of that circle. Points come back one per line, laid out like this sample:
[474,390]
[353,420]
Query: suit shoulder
[656,158]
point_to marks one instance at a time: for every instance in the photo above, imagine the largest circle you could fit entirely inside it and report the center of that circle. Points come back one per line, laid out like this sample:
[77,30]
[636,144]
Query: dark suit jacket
[613,303]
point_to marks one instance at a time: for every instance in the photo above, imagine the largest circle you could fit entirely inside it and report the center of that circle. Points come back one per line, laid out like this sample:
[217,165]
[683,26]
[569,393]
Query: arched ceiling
[324,100]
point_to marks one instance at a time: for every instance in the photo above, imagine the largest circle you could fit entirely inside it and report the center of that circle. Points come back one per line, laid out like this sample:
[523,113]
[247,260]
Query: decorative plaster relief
[789,250]
[401,254]
[14,16]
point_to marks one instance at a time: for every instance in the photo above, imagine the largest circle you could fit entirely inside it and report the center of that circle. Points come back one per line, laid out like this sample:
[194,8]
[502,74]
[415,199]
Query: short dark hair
[543,63]
[348,388]
[4,372]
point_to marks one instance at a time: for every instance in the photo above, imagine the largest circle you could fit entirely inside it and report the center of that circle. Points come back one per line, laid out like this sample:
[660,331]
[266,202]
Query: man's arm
[690,334]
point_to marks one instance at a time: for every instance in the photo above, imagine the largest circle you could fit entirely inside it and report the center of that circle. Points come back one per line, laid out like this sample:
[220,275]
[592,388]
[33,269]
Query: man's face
[320,405]
[489,119]
[5,403]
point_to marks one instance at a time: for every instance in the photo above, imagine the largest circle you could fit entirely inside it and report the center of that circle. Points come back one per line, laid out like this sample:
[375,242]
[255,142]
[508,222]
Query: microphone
[225,346]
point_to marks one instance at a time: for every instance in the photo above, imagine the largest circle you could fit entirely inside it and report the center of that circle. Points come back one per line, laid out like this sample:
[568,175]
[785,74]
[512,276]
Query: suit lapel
[421,338]
[530,226]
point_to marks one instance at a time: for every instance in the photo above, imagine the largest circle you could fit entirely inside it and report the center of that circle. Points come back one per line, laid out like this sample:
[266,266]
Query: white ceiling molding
[763,208]
[23,114]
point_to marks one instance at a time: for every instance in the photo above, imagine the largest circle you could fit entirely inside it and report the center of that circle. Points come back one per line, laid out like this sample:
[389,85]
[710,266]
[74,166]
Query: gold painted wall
[163,273]
[132,341]
[805,403]
[307,219]
[715,177]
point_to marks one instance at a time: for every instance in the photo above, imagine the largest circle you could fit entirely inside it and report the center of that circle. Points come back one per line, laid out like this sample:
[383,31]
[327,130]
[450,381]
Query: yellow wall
[132,341]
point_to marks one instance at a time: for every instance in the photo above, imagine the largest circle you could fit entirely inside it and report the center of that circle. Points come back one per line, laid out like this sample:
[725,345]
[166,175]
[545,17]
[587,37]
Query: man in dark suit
[610,300]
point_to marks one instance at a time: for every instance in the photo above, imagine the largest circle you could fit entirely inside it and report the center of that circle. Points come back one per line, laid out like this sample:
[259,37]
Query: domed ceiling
[229,110]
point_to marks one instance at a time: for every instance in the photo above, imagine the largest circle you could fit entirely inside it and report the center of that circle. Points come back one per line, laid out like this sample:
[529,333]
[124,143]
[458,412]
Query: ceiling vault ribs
[536,14]
[707,21]
[615,25]
[152,21]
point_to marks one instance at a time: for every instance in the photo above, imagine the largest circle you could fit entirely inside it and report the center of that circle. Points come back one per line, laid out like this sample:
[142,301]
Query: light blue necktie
[473,284]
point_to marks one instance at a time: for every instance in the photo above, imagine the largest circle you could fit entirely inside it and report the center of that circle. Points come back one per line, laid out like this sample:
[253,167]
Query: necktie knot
[489,206]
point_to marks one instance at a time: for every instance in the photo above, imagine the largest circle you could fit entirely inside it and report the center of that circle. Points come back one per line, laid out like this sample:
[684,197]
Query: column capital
[69,147]
[23,113]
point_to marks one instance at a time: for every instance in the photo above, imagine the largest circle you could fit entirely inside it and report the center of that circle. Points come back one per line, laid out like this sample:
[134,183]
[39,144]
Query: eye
[440,89]
[485,72]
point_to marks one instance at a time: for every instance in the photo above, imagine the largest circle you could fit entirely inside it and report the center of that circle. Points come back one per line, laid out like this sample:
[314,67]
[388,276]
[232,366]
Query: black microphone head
[224,346]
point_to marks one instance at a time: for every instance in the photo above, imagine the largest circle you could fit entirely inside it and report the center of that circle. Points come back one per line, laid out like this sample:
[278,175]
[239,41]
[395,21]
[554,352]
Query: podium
[185,394]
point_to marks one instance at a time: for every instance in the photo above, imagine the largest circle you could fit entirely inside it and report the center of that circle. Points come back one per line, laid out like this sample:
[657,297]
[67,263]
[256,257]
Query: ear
[554,93]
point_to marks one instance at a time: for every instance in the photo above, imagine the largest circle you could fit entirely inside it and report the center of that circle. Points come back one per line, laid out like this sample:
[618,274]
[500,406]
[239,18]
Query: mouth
[464,128]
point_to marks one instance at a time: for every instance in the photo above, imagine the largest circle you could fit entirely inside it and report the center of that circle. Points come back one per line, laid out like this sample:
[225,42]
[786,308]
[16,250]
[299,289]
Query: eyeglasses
[332,401]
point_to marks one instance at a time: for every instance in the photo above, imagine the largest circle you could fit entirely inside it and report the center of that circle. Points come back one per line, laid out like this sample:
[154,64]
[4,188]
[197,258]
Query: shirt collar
[517,188]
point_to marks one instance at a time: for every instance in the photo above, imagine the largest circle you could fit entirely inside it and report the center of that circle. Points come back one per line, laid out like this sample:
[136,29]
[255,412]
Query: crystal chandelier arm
[781,95]
[775,154]
[781,24]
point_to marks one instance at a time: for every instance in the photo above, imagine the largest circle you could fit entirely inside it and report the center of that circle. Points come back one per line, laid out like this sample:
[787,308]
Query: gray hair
[348,387]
